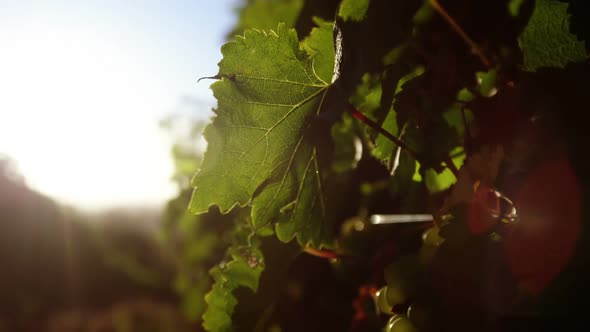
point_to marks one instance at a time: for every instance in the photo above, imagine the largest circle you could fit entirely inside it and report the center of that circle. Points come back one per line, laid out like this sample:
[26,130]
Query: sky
[84,84]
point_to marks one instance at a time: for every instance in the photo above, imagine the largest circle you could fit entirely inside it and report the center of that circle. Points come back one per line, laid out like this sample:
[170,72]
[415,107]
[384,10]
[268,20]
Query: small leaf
[353,10]
[437,182]
[546,40]
[320,47]
[239,272]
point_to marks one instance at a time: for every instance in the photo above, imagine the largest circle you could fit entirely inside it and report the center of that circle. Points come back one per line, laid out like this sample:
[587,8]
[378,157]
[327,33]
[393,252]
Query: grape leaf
[260,151]
[353,10]
[243,270]
[546,41]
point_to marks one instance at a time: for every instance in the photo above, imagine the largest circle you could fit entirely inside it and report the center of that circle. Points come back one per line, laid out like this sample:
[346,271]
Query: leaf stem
[328,254]
[216,77]
[482,57]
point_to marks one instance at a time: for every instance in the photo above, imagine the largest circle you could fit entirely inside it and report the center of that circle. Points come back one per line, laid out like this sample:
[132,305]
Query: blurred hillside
[63,270]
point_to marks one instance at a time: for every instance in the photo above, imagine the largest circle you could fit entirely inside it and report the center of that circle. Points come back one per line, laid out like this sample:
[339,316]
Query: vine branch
[445,15]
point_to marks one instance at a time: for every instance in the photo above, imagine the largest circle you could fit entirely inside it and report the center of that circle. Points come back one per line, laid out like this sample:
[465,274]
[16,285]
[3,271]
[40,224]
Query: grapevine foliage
[442,95]
[547,41]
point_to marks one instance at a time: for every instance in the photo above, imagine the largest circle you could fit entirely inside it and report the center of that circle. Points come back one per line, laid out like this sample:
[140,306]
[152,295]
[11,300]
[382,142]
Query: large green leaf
[546,40]
[259,147]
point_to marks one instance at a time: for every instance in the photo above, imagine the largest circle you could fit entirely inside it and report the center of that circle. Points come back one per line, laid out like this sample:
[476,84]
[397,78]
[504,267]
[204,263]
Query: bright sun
[80,117]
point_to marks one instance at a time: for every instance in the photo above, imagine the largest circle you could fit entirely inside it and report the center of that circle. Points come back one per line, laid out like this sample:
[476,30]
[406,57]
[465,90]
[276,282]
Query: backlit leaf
[259,147]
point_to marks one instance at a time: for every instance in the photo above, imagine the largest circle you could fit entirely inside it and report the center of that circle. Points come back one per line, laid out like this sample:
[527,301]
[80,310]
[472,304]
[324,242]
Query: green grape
[400,323]
[381,301]
[402,269]
[431,237]
[426,254]
[417,315]
[403,279]
[395,295]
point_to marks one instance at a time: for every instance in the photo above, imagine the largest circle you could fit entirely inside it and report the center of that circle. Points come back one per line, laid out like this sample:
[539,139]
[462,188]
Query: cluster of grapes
[455,276]
[404,280]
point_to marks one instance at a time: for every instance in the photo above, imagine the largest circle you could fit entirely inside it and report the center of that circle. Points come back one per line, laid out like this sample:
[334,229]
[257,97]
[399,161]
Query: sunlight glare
[80,117]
